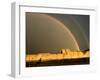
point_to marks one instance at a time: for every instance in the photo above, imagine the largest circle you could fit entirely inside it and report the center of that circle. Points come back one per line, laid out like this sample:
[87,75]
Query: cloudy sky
[53,32]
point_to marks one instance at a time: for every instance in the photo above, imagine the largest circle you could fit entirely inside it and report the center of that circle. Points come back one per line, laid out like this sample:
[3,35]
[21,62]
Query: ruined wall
[65,54]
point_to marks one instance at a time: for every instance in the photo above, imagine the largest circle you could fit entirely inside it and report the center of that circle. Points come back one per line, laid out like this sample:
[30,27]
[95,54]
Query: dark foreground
[59,62]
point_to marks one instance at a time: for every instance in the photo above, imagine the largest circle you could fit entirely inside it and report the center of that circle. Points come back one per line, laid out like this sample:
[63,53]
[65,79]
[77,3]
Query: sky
[46,32]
